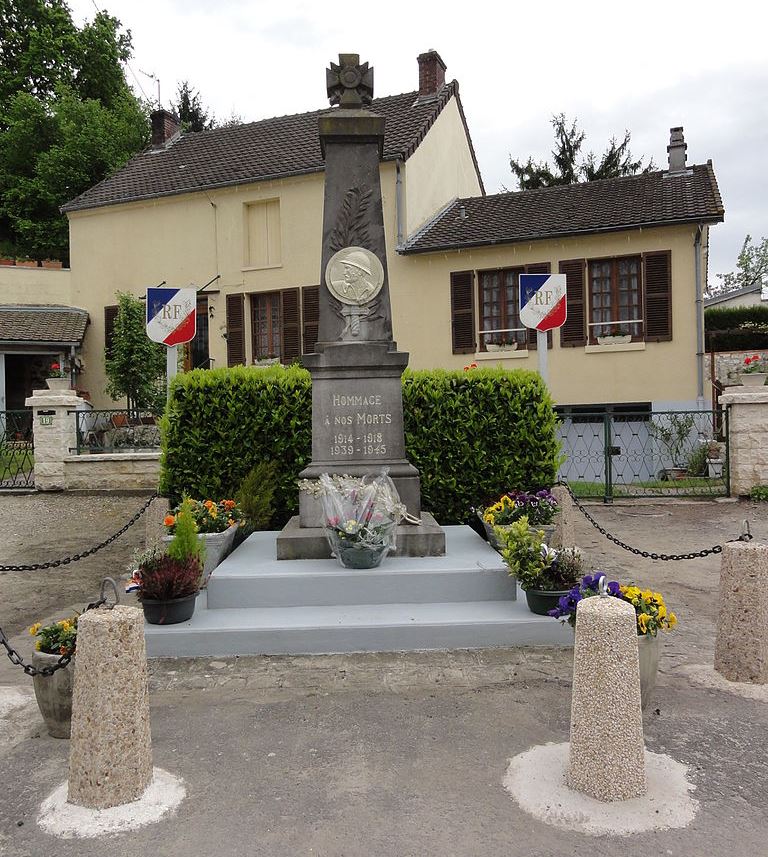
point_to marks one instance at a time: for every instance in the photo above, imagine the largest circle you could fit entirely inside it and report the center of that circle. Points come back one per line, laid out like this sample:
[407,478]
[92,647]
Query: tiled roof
[271,148]
[651,199]
[55,324]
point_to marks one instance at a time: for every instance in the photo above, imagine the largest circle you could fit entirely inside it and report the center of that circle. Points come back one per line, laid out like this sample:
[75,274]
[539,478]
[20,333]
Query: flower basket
[217,548]
[355,554]
[58,384]
[754,379]
[170,612]
[54,694]
[622,339]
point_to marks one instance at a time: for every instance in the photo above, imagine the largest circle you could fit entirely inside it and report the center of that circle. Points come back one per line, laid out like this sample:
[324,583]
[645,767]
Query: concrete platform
[257,604]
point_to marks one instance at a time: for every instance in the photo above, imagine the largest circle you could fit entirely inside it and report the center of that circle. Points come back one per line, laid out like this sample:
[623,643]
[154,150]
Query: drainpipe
[72,373]
[699,319]
[399,201]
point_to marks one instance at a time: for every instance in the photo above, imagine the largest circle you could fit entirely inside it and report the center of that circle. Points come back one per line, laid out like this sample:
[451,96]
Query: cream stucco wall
[663,373]
[439,170]
[35,286]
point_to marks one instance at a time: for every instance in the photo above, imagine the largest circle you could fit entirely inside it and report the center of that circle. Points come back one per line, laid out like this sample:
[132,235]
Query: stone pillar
[607,752]
[748,437]
[110,758]
[54,424]
[741,645]
[153,521]
[565,536]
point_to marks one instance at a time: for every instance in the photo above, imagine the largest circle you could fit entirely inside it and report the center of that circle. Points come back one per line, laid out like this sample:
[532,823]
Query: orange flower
[169,520]
[228,504]
[209,504]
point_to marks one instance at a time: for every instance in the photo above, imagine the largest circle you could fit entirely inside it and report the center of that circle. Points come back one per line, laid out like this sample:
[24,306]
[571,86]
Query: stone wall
[128,471]
[728,364]
[748,437]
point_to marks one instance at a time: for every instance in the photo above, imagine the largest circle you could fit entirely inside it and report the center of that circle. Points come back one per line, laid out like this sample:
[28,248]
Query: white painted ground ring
[536,780]
[67,821]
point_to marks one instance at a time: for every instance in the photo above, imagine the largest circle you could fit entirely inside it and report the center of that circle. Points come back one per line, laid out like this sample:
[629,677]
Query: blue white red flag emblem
[542,300]
[171,315]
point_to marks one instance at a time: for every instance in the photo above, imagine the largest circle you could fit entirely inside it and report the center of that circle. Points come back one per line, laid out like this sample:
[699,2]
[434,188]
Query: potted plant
[503,345]
[673,433]
[652,616]
[714,460]
[540,508]
[54,692]
[754,371]
[25,262]
[167,584]
[615,336]
[57,378]
[216,527]
[545,575]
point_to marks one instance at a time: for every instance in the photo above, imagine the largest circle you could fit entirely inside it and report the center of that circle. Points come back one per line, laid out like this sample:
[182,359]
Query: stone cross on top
[350,84]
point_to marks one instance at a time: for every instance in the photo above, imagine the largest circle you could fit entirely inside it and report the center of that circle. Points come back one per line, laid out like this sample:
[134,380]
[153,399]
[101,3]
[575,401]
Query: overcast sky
[614,66]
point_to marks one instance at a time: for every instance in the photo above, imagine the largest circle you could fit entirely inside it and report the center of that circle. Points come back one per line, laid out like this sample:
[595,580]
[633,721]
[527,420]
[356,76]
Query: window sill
[262,267]
[603,349]
[517,354]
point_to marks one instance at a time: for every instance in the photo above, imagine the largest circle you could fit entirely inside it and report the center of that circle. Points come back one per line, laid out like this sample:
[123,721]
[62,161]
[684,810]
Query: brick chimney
[431,73]
[164,126]
[676,151]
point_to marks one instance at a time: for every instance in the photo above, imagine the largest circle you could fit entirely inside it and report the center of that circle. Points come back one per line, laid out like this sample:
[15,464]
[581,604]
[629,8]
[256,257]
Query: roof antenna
[157,81]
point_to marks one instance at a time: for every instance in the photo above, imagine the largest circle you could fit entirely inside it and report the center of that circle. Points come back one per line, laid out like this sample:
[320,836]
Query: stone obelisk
[357,407]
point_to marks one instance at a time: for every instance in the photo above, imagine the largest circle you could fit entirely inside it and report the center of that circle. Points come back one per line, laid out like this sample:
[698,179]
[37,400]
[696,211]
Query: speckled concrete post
[607,753]
[153,521]
[110,757]
[741,645]
[564,520]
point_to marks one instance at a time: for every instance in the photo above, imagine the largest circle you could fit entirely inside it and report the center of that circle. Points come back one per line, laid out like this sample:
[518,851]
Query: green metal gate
[17,457]
[619,453]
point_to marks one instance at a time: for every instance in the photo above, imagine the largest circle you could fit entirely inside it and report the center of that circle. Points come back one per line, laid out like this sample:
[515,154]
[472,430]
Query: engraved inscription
[359,424]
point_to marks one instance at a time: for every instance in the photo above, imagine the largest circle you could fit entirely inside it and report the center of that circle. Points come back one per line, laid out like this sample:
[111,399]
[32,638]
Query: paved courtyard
[398,754]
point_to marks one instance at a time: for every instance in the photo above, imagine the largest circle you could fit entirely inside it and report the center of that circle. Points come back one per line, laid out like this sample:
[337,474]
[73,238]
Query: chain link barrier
[55,563]
[745,536]
[16,659]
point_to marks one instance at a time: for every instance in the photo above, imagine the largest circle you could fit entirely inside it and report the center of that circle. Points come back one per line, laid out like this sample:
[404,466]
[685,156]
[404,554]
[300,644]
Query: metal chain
[665,557]
[55,563]
[16,659]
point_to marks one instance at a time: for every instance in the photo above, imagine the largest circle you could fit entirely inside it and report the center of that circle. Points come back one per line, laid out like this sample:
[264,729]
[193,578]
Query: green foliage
[741,328]
[673,431]
[759,493]
[697,461]
[521,551]
[751,269]
[136,366]
[256,494]
[616,161]
[67,118]
[189,108]
[472,435]
[185,545]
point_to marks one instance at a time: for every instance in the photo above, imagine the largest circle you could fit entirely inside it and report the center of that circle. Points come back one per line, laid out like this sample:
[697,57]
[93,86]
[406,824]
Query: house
[237,212]
[756,295]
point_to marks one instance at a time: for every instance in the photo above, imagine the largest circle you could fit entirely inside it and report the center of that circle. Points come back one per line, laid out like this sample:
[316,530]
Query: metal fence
[645,453]
[17,456]
[117,430]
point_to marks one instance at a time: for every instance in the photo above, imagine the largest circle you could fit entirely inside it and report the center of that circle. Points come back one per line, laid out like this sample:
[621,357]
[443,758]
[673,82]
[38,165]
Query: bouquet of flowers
[209,517]
[361,517]
[650,609]
[57,639]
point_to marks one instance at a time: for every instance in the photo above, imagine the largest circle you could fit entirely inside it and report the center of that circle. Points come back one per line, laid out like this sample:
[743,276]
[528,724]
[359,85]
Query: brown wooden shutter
[110,314]
[538,268]
[657,283]
[290,326]
[310,307]
[462,312]
[574,331]
[235,330]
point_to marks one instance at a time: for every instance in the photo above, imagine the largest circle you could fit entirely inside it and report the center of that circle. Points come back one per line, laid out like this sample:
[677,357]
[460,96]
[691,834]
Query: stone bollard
[110,759]
[565,536]
[153,521]
[607,751]
[741,644]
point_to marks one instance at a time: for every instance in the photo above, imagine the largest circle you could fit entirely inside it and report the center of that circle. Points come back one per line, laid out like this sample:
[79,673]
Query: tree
[189,108]
[136,365]
[67,118]
[751,269]
[616,161]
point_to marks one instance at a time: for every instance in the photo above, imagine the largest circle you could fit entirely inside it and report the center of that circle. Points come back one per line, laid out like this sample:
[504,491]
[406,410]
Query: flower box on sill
[501,346]
[622,339]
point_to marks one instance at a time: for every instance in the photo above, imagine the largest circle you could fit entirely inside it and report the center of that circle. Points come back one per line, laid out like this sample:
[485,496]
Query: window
[263,244]
[615,298]
[110,316]
[275,325]
[499,304]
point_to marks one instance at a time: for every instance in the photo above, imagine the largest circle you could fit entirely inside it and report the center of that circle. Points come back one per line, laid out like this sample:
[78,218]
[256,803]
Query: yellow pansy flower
[672,621]
[642,621]
[35,628]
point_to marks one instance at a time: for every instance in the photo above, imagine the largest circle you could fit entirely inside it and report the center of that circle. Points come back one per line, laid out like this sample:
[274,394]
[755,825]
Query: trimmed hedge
[731,318]
[740,328]
[472,435]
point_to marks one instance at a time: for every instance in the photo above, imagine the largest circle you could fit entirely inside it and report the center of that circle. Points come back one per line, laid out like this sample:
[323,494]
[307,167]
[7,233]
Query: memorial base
[297,542]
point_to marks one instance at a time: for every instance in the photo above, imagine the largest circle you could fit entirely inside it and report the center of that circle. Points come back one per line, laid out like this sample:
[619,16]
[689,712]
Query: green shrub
[759,492]
[256,496]
[734,318]
[472,435]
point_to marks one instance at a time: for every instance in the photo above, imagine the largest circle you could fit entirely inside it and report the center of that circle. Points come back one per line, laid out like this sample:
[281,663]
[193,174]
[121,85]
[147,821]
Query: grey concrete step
[349,628]
[252,577]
